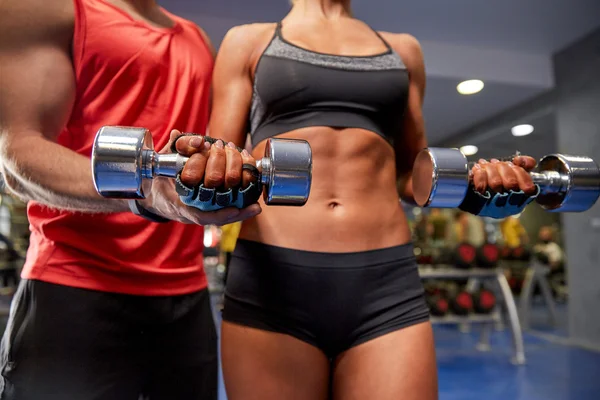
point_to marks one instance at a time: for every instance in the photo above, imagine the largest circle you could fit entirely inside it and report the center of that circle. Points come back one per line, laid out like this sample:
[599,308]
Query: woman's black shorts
[333,301]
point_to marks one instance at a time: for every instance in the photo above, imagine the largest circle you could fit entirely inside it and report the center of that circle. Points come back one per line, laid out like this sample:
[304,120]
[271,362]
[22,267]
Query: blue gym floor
[553,371]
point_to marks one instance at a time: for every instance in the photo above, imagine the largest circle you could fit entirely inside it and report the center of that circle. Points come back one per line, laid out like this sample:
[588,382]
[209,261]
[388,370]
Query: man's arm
[213,52]
[37,90]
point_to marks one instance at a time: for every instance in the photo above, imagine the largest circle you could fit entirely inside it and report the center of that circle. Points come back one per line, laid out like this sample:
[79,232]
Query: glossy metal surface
[117,161]
[440,178]
[286,169]
[168,165]
[572,183]
[124,163]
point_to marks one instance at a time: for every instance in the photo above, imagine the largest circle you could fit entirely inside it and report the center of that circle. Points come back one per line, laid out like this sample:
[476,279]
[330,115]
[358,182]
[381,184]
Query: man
[113,303]
[547,250]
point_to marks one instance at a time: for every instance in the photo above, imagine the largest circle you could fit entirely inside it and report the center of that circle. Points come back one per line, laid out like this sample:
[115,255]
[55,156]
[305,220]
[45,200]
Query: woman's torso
[353,203]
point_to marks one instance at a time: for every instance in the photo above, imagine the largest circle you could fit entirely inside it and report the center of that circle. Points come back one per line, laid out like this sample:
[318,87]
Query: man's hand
[502,176]
[218,165]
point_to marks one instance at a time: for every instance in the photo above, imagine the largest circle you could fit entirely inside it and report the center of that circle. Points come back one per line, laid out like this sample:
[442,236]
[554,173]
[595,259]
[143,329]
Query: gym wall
[577,105]
[534,217]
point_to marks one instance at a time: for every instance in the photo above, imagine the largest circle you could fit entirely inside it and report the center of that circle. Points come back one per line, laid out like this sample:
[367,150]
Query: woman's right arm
[232,89]
[232,86]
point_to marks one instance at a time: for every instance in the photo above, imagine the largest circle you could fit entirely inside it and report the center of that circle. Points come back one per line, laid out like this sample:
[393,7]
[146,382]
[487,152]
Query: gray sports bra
[296,88]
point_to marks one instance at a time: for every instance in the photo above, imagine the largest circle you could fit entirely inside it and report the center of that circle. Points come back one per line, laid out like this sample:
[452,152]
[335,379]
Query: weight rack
[475,277]
[536,276]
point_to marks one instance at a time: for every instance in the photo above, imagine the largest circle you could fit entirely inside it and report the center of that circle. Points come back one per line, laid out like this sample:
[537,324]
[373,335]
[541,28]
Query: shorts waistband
[282,255]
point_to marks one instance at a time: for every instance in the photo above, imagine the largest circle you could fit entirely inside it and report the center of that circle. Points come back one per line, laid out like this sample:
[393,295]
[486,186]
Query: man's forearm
[37,169]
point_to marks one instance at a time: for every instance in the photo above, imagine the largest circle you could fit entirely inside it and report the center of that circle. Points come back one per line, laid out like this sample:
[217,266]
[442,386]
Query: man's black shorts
[75,344]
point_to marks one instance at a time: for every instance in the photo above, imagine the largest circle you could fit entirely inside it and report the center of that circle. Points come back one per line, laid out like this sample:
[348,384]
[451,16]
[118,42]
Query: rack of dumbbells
[466,285]
[441,179]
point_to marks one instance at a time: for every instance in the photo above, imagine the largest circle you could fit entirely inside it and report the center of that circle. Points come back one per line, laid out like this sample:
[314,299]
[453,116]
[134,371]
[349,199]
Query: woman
[325,300]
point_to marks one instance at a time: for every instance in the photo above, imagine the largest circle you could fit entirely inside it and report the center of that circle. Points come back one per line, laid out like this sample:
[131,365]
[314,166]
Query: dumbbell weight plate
[462,303]
[440,178]
[117,160]
[287,168]
[521,253]
[438,305]
[465,255]
[581,178]
[484,301]
[488,255]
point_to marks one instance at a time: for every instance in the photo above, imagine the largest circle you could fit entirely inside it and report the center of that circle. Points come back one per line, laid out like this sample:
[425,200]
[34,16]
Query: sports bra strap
[389,47]
[385,42]
[278,29]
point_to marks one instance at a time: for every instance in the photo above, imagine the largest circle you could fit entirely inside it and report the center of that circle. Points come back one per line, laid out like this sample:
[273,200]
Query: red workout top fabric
[133,74]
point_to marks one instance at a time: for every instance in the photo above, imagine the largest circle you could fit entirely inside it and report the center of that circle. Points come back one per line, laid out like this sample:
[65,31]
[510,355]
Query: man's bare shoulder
[30,20]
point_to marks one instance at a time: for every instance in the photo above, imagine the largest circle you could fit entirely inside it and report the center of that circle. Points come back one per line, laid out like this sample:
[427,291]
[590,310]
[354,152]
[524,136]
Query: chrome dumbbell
[567,183]
[124,163]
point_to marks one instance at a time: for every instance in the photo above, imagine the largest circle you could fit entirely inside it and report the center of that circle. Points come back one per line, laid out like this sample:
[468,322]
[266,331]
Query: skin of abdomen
[353,204]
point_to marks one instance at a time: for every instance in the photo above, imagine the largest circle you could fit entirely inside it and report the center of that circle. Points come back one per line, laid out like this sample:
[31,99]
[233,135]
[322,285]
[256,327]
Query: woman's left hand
[503,176]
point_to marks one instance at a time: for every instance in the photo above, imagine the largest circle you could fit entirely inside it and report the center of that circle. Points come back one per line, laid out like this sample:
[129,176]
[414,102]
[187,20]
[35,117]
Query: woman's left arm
[412,140]
[494,175]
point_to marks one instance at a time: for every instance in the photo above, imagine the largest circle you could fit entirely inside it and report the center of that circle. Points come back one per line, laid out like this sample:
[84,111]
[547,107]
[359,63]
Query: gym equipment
[423,255]
[124,163]
[488,255]
[484,301]
[446,281]
[465,256]
[567,183]
[516,284]
[438,305]
[520,253]
[506,253]
[461,303]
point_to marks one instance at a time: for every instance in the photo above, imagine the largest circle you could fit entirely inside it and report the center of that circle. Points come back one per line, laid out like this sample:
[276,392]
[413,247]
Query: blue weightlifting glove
[496,205]
[213,199]
[491,192]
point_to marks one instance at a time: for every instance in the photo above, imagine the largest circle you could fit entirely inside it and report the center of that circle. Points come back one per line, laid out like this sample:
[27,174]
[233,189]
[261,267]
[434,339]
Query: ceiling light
[470,87]
[469,150]
[522,130]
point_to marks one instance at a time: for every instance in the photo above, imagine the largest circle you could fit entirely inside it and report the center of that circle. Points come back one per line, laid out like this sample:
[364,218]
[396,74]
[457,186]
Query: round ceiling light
[469,150]
[471,86]
[522,130]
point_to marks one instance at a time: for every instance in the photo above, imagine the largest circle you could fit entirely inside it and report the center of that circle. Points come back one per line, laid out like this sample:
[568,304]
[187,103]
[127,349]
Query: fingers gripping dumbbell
[567,183]
[124,163]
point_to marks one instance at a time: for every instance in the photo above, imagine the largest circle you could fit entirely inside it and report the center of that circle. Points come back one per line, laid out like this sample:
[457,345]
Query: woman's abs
[353,203]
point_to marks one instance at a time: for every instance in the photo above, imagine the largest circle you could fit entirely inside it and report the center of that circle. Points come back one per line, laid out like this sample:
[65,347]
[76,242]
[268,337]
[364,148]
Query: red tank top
[133,74]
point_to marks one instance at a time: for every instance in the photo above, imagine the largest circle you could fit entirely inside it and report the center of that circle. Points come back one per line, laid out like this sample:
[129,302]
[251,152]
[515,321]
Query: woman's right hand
[215,166]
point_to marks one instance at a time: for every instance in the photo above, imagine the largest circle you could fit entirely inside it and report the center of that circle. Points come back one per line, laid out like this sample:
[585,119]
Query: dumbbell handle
[550,181]
[169,165]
